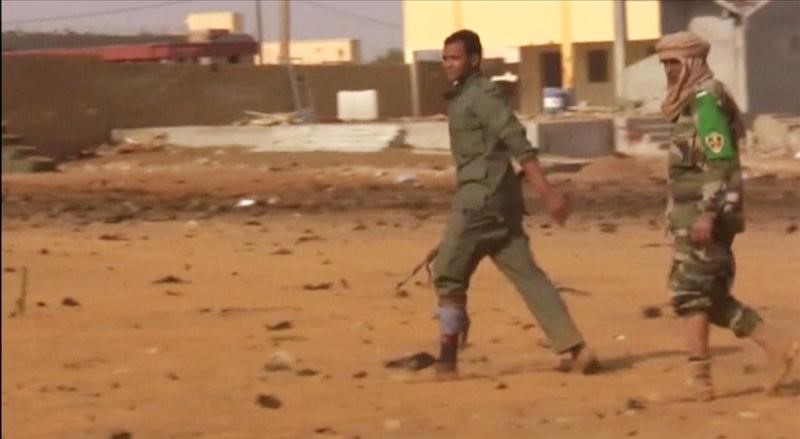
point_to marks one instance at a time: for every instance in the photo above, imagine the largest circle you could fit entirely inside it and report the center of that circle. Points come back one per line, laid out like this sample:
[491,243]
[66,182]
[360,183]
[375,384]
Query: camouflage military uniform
[705,176]
[486,218]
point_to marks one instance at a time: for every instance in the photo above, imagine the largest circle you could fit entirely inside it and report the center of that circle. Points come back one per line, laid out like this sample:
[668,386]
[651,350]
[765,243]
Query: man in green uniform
[705,213]
[486,218]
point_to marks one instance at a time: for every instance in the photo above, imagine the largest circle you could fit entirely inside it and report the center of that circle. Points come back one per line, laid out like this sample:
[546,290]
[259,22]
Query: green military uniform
[486,218]
[705,176]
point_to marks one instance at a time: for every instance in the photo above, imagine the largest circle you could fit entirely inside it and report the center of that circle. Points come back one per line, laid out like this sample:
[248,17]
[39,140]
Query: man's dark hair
[470,40]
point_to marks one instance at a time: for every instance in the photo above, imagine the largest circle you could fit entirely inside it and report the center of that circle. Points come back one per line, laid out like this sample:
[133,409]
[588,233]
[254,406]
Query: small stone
[749,369]
[282,252]
[69,301]
[634,404]
[169,279]
[651,312]
[121,434]
[402,294]
[361,374]
[279,361]
[269,401]
[325,430]
[791,228]
[318,286]
[307,372]
[608,227]
[501,386]
[44,251]
[173,376]
[281,326]
[343,282]
[112,237]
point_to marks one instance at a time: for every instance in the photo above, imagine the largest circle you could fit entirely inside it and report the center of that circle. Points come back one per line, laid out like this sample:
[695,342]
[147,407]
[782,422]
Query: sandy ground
[328,237]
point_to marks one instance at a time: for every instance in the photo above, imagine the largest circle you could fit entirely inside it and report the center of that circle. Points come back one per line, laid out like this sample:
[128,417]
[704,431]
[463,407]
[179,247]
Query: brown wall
[64,105]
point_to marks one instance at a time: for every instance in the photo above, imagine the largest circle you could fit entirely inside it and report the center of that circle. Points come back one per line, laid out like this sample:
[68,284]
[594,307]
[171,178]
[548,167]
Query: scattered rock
[361,374]
[282,252]
[501,386]
[307,238]
[651,312]
[402,294]
[749,369]
[634,404]
[281,326]
[608,227]
[307,372]
[791,228]
[41,304]
[325,430]
[528,326]
[173,293]
[173,376]
[279,361]
[10,270]
[318,286]
[112,237]
[252,223]
[44,251]
[69,301]
[169,279]
[269,401]
[359,227]
[418,361]
[343,282]
[121,434]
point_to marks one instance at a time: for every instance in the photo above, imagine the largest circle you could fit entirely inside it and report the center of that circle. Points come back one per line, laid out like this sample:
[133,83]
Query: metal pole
[260,32]
[285,32]
[620,38]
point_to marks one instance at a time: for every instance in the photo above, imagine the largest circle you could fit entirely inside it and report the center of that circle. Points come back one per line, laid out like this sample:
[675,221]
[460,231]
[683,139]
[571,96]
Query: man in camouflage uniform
[486,218]
[705,213]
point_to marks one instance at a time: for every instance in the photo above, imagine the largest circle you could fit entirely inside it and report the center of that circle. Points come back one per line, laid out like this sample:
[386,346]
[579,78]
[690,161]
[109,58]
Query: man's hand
[703,228]
[557,206]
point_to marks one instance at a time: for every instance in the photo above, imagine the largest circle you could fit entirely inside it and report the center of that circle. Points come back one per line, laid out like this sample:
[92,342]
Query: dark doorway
[551,69]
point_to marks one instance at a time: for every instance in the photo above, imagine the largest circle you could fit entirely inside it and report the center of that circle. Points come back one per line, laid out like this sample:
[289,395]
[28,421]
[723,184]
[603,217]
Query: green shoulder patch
[713,129]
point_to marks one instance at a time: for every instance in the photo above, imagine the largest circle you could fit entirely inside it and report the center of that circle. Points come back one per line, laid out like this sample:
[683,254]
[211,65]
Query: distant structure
[329,51]
[211,38]
[230,22]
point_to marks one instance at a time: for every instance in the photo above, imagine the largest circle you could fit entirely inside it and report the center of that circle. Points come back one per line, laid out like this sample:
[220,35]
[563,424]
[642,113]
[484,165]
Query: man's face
[672,68]
[456,63]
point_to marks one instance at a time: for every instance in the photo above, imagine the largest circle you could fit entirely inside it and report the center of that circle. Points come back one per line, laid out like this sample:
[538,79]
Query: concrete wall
[503,24]
[66,105]
[596,93]
[230,21]
[773,58]
[332,51]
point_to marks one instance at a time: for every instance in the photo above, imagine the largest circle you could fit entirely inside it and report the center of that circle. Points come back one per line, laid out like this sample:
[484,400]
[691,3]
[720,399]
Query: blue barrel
[554,100]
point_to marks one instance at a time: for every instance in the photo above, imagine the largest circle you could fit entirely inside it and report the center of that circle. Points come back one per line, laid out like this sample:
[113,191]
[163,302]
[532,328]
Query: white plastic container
[357,105]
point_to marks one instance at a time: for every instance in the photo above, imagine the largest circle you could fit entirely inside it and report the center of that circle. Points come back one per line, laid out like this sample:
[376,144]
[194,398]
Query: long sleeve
[495,114]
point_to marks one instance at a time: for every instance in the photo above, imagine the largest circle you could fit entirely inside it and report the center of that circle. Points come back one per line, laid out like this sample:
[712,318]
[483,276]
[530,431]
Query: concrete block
[357,105]
[577,138]
[316,137]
